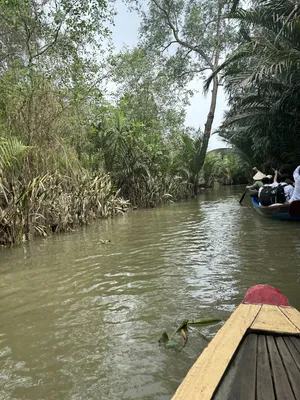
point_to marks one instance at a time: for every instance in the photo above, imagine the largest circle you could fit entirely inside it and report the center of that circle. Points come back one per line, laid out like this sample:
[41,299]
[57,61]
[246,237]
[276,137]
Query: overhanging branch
[194,71]
[168,45]
[178,39]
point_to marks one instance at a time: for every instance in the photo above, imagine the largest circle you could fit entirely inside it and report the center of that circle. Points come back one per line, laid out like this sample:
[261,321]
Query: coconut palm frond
[11,153]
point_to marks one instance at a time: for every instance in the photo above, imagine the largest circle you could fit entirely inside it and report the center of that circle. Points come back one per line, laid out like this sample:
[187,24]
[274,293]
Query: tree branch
[211,21]
[187,54]
[178,39]
[195,71]
[45,48]
[168,45]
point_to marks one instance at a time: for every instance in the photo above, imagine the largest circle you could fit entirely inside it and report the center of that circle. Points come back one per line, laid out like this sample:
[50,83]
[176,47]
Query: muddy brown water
[80,319]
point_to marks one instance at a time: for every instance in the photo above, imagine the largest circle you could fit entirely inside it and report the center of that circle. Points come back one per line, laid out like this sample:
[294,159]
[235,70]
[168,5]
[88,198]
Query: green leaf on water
[184,336]
[183,325]
[170,344]
[174,345]
[164,339]
[182,329]
[204,321]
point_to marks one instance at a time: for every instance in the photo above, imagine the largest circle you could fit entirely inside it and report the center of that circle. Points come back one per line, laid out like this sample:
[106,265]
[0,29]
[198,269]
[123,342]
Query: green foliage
[225,169]
[68,154]
[34,29]
[48,98]
[11,154]
[142,163]
[50,203]
[262,79]
[139,138]
[190,38]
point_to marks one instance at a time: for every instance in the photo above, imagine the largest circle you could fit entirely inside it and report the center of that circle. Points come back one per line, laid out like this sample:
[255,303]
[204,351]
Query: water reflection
[81,319]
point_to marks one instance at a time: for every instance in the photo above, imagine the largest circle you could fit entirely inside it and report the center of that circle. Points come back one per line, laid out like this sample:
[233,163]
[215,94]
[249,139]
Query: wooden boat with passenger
[255,355]
[281,211]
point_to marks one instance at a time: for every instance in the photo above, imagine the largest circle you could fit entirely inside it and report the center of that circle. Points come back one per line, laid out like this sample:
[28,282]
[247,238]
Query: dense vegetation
[191,38]
[85,132]
[262,78]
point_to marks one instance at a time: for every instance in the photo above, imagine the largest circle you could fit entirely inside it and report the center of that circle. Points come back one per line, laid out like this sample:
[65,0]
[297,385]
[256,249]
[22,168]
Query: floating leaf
[185,336]
[204,321]
[174,345]
[163,340]
[170,344]
[182,330]
[183,325]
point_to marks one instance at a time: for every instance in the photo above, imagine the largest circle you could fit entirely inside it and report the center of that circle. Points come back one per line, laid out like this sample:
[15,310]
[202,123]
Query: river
[81,319]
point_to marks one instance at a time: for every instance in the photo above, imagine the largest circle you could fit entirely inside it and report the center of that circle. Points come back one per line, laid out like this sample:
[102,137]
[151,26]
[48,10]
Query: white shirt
[296,194]
[288,191]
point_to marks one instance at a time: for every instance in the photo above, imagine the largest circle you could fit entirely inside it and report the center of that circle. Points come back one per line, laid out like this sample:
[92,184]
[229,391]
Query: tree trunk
[207,129]
[213,101]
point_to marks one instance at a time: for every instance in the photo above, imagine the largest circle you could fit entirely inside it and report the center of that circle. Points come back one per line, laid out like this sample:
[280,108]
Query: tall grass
[41,205]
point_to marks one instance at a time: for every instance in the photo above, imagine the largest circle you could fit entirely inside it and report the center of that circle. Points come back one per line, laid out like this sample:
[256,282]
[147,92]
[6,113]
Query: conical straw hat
[258,176]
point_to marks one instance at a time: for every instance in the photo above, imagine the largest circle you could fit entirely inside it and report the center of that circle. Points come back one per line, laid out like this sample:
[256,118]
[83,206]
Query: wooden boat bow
[265,318]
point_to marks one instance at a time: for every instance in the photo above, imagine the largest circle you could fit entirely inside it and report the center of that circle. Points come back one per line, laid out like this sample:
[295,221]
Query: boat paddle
[243,195]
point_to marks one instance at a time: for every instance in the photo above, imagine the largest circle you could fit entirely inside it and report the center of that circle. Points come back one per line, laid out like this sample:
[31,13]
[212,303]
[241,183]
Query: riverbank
[35,203]
[54,203]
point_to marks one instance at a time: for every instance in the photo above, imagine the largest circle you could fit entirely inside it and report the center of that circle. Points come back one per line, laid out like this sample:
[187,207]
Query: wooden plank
[296,343]
[290,366]
[244,384]
[224,390]
[293,349]
[264,382]
[292,314]
[204,376]
[271,319]
[281,383]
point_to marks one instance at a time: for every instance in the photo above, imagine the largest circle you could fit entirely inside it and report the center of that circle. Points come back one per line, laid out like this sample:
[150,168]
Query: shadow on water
[80,319]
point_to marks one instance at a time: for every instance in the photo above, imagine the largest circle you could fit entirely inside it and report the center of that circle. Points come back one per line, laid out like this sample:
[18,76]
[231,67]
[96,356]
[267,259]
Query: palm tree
[11,153]
[262,78]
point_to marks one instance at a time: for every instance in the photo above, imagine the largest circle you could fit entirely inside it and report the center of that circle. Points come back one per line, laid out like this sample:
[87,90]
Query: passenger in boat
[276,193]
[279,192]
[257,183]
[286,181]
[271,178]
[266,182]
[296,193]
[289,189]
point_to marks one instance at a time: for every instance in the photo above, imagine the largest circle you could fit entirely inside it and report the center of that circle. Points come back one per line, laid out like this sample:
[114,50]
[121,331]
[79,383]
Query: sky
[125,33]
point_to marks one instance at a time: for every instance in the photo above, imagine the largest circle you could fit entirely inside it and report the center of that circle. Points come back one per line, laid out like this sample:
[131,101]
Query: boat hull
[257,351]
[285,212]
